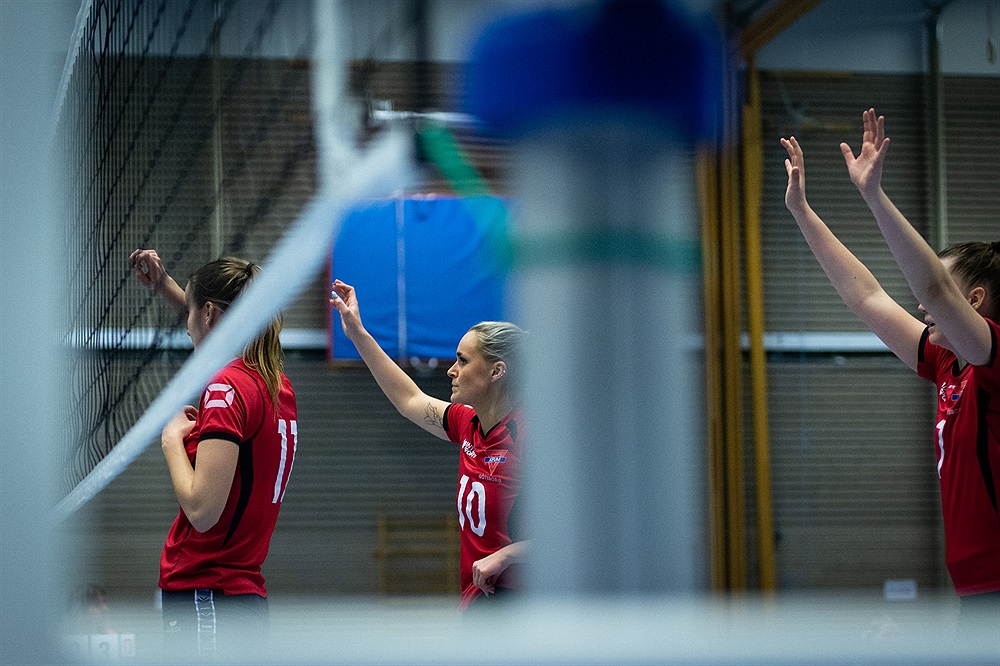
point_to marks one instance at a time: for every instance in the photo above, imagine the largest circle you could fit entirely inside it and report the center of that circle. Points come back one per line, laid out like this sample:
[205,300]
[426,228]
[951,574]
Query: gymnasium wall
[852,465]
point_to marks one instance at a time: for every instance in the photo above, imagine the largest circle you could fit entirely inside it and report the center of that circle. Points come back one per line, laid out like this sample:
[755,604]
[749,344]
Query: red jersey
[967,441]
[236,407]
[488,483]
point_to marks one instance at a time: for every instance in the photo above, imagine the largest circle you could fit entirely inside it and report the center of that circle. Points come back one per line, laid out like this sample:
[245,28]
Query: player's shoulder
[515,425]
[286,384]
[460,415]
[932,358]
[994,333]
[992,365]
[241,379]
[236,372]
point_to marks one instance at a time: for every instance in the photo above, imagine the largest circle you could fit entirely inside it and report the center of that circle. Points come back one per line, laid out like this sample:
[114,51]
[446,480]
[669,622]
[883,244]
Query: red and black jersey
[489,481]
[967,441]
[236,407]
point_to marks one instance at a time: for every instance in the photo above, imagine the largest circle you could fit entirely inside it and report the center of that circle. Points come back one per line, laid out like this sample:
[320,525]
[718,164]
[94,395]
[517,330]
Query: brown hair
[220,282]
[978,265]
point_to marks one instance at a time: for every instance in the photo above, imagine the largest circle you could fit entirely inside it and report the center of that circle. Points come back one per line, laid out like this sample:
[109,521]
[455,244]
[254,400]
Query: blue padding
[644,58]
[451,280]
[364,255]
[453,270]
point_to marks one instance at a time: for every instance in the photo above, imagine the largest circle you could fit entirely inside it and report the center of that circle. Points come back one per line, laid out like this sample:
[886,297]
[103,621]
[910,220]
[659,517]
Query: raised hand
[866,169]
[795,192]
[148,268]
[345,300]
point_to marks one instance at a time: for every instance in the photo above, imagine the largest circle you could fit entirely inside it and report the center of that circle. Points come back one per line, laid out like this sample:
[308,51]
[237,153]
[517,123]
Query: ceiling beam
[772,23]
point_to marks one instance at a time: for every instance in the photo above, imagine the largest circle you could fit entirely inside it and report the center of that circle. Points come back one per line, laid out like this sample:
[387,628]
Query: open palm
[865,170]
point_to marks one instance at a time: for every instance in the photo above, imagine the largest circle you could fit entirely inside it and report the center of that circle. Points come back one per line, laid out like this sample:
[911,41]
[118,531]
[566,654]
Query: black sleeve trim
[983,446]
[228,436]
[245,467]
[922,344]
[444,419]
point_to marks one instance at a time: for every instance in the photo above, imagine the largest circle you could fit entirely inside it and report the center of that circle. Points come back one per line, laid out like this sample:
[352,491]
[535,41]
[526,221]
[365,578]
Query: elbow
[202,521]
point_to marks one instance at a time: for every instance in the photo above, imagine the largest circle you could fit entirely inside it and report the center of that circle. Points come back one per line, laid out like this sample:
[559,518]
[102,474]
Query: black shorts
[204,623]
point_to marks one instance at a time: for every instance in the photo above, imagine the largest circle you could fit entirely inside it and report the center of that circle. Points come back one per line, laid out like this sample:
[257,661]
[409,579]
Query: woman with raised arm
[243,439]
[484,420]
[956,347]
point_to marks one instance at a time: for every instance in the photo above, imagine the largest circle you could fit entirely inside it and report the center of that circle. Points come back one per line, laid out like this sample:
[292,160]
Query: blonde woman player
[955,347]
[230,462]
[484,420]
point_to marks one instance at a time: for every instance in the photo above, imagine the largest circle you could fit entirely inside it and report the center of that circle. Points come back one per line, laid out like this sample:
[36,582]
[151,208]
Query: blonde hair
[500,341]
[220,282]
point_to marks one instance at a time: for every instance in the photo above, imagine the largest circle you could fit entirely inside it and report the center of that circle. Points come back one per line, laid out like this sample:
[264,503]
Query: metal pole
[607,260]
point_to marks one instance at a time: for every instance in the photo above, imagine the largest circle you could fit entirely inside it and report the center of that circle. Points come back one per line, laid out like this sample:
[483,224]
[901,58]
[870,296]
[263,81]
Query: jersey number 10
[477,493]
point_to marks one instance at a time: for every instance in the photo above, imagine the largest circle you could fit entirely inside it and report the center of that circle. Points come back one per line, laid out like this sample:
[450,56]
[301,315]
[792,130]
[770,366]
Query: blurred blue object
[444,249]
[644,59]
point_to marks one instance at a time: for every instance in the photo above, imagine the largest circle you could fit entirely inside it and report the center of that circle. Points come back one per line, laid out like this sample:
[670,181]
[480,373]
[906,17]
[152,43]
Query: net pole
[607,257]
[33,362]
[329,84]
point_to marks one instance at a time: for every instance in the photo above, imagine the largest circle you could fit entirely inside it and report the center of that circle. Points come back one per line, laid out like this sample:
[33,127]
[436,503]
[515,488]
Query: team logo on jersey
[495,459]
[468,448]
[949,395]
[218,395]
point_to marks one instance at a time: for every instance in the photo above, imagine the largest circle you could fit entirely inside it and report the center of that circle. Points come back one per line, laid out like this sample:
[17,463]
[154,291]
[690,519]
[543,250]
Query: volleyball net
[206,128]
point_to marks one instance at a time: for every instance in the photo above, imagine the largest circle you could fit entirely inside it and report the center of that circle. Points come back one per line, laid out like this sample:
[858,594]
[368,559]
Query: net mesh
[188,128]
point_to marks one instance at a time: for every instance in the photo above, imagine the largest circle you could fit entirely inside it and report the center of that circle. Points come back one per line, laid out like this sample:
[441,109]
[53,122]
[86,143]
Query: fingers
[484,583]
[791,144]
[847,153]
[139,256]
[794,161]
[880,154]
[147,268]
[340,291]
[874,128]
[135,261]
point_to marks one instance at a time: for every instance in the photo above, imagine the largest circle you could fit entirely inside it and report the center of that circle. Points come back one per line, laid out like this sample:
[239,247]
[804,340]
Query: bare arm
[148,269]
[403,392]
[855,284]
[201,491]
[929,280]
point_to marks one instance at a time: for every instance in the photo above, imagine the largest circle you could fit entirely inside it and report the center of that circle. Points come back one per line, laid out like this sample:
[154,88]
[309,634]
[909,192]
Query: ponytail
[264,355]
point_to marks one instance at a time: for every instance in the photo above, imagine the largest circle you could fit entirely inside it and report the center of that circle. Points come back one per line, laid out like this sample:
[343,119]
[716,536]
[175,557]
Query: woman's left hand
[865,170]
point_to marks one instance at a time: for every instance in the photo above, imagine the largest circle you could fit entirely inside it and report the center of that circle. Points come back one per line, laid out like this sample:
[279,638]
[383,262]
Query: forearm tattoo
[432,416]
